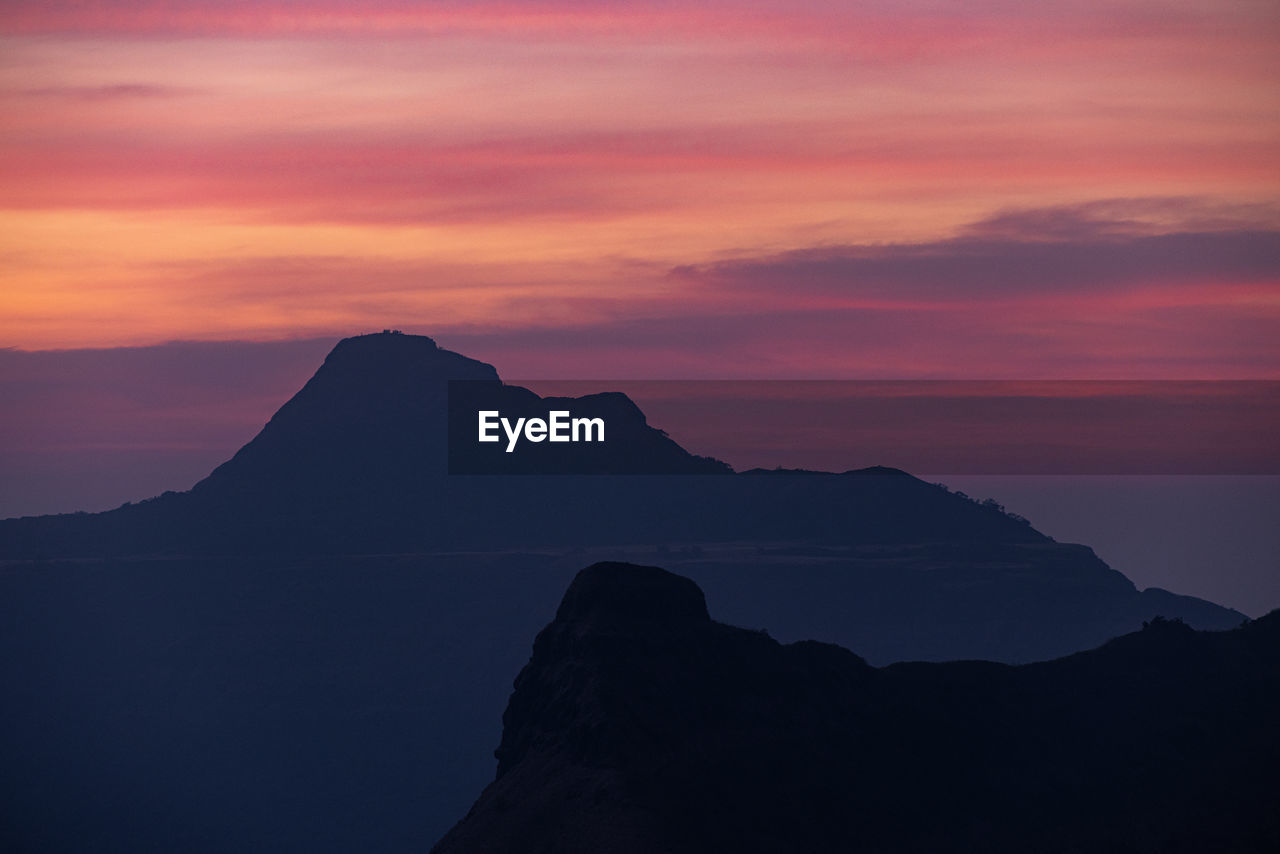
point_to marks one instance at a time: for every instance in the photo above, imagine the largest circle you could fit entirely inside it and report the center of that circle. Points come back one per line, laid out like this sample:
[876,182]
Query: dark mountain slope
[356,462]
[370,418]
[639,725]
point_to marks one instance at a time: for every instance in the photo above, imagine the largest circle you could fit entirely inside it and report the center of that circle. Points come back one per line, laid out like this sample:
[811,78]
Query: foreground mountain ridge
[640,725]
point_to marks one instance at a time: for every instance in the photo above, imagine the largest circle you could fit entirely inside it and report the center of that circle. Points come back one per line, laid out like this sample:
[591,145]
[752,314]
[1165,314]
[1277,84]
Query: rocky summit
[640,725]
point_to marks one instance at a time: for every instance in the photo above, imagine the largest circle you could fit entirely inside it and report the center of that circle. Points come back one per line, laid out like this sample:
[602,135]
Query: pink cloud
[874,29]
[362,177]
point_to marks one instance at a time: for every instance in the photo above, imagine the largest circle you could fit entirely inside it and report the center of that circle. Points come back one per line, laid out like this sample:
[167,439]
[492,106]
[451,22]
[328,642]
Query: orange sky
[266,170]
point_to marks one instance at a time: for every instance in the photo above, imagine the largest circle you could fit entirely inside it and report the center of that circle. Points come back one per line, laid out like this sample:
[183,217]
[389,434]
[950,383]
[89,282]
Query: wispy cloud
[113,92]
[1102,248]
[1124,218]
[960,182]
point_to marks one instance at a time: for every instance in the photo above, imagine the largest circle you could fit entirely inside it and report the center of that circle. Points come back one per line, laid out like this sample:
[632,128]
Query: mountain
[310,649]
[358,462]
[640,725]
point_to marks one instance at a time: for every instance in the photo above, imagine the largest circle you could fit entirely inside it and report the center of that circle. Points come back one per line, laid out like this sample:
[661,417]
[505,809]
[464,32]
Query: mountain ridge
[357,461]
[668,731]
[364,445]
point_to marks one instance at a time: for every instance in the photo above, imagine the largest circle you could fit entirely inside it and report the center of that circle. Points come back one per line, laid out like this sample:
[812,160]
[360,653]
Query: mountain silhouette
[357,462]
[640,725]
[309,650]
[370,420]
[372,424]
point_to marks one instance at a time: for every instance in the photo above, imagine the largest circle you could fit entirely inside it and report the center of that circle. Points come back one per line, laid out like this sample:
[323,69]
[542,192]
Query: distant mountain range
[357,463]
[640,725]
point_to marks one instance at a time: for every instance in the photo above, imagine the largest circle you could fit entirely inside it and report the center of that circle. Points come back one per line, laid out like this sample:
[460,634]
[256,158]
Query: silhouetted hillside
[371,419]
[640,725]
[356,462]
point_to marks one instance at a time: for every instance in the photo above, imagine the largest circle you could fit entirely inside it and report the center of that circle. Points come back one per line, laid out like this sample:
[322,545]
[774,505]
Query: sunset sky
[198,198]
[758,189]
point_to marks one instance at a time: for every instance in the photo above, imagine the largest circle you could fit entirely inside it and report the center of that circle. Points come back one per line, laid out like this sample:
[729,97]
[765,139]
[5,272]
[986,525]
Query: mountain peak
[370,419]
[391,348]
[628,593]
[387,340]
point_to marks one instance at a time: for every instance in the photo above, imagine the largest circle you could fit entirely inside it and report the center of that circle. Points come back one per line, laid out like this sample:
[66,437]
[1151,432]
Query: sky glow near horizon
[893,189]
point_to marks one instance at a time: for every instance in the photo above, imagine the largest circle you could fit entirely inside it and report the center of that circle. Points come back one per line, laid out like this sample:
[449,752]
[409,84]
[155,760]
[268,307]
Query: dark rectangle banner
[935,427]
